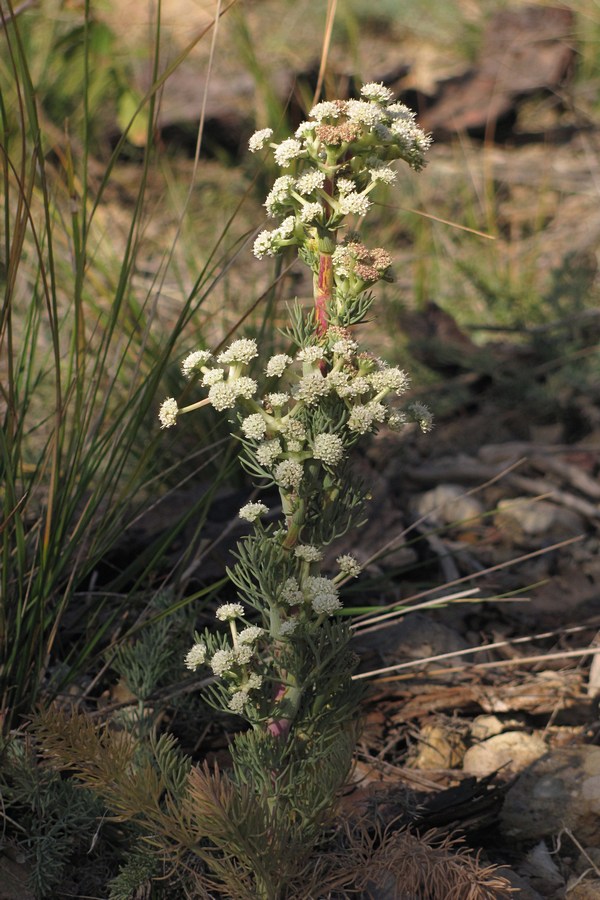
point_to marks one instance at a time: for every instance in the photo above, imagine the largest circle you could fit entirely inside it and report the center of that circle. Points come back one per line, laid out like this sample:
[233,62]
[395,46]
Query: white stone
[448,504]
[511,751]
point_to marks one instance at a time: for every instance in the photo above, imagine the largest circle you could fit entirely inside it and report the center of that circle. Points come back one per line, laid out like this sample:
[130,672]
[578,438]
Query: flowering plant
[283,661]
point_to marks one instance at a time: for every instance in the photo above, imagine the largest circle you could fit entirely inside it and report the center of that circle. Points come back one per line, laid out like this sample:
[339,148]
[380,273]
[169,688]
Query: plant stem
[294,520]
[323,290]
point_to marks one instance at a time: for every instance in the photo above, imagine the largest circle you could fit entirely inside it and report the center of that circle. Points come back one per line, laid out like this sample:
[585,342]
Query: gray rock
[539,866]
[417,636]
[562,789]
[525,891]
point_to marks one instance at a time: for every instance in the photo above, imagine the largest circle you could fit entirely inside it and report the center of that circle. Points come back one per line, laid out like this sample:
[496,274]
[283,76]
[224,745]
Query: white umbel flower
[310,182]
[212,376]
[282,187]
[252,511]
[276,399]
[243,654]
[237,702]
[229,611]
[390,379]
[222,395]
[347,386]
[312,387]
[326,604]
[328,448]
[287,151]
[345,347]
[268,451]
[288,473]
[323,595]
[378,411]
[305,129]
[244,387]
[327,109]
[396,420]
[308,552]
[168,412]
[364,113]
[289,626]
[290,592]
[361,419]
[278,364]
[196,656]
[310,212]
[254,426]
[259,139]
[293,430]
[269,243]
[374,90]
[400,111]
[286,229]
[194,361]
[279,193]
[311,354]
[222,661]
[345,185]
[349,565]
[240,698]
[354,204]
[266,244]
[250,634]
[240,351]
[384,174]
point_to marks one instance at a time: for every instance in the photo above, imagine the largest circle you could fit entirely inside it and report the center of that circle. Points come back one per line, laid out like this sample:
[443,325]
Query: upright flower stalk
[323,290]
[283,661]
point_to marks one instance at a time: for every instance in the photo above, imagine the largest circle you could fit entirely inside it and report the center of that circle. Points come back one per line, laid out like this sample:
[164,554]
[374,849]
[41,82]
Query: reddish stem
[279,728]
[323,291]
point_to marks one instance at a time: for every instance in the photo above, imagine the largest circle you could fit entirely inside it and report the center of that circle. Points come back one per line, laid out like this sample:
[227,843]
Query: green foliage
[272,820]
[152,657]
[63,826]
[136,874]
[136,781]
[262,567]
[57,820]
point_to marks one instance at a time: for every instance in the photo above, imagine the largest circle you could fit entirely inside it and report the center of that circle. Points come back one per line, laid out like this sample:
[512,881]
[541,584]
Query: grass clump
[83,352]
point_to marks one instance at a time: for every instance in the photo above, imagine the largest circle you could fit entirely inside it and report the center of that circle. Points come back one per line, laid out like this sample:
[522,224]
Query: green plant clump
[285,665]
[56,818]
[280,657]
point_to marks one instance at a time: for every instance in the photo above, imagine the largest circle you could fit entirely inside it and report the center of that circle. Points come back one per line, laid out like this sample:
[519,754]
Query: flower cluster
[301,602]
[274,428]
[231,660]
[343,151]
[320,397]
